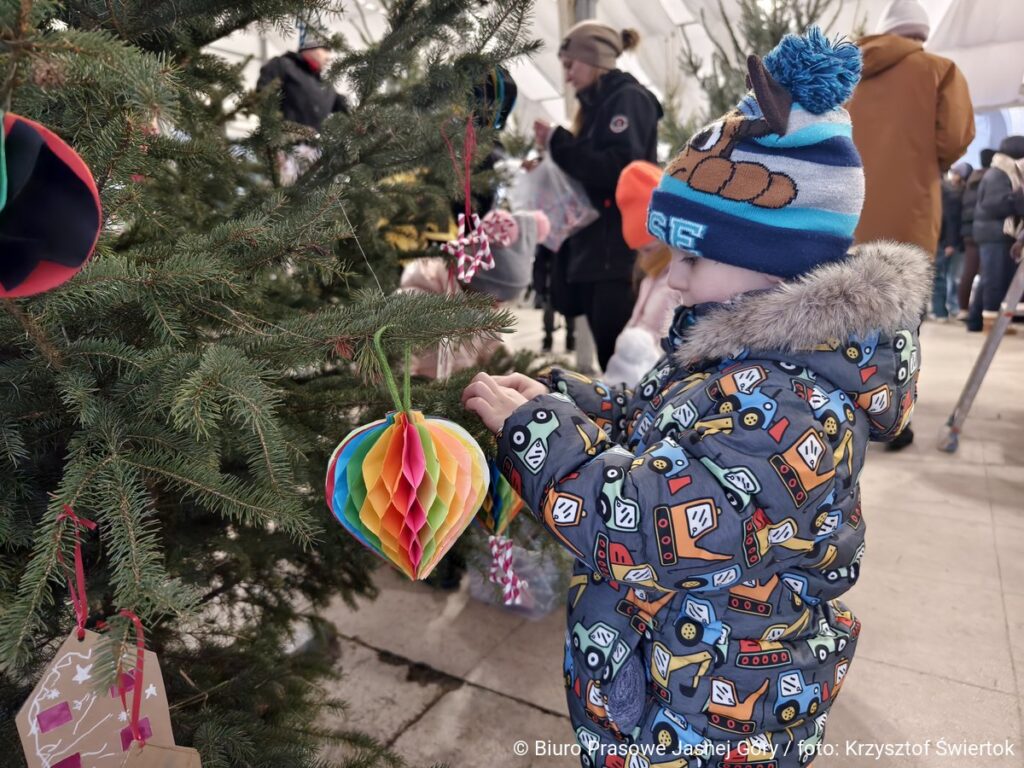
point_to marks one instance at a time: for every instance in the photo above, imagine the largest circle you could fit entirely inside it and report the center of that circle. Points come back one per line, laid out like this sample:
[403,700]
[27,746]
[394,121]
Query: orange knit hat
[633,195]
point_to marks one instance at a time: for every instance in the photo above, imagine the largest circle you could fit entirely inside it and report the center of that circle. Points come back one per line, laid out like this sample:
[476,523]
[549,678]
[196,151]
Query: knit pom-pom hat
[776,185]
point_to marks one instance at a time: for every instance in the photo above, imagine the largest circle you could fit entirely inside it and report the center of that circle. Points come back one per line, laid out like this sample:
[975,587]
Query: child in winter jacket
[714,512]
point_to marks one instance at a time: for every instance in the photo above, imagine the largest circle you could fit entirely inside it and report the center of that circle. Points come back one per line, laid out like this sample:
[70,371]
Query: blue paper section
[340,498]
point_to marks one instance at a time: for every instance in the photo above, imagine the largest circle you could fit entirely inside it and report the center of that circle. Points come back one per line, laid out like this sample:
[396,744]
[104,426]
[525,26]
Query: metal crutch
[949,436]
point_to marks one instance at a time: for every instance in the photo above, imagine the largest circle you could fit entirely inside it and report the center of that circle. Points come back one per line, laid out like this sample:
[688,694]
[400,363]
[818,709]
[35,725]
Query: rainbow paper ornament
[408,485]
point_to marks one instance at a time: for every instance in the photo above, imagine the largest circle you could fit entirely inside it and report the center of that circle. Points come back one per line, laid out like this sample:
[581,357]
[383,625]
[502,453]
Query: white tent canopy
[985,37]
[986,40]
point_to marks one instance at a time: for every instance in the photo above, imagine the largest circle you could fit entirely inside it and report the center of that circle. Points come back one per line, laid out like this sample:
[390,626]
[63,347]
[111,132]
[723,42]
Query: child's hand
[524,385]
[490,401]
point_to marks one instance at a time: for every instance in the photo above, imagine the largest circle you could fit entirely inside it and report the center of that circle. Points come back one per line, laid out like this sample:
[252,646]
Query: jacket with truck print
[715,517]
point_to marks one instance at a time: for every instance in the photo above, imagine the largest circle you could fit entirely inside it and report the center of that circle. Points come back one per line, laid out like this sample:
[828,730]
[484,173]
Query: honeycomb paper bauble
[406,487]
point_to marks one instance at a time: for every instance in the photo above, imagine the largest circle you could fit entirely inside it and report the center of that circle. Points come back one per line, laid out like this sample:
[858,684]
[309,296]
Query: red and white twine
[471,249]
[502,572]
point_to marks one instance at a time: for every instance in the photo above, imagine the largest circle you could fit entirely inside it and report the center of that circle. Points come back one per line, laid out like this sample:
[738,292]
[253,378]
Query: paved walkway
[443,678]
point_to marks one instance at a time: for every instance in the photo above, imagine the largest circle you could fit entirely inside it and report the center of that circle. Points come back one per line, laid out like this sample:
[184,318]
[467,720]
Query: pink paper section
[54,717]
[414,470]
[127,684]
[145,731]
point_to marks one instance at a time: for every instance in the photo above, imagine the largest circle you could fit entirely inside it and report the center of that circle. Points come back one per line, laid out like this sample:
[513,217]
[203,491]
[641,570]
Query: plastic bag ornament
[49,209]
[408,485]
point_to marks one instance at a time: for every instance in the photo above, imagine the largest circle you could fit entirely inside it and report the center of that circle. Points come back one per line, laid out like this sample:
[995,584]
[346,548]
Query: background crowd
[913,121]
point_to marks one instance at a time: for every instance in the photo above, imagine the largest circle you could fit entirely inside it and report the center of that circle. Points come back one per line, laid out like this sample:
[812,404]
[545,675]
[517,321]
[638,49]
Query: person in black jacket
[998,199]
[305,97]
[949,256]
[617,123]
[971,258]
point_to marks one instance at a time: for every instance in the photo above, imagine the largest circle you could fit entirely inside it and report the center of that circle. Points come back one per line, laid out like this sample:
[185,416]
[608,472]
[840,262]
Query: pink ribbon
[76,579]
[140,658]
[502,572]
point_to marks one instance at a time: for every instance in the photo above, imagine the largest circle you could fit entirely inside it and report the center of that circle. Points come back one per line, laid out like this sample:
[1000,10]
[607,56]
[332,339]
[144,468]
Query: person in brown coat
[912,119]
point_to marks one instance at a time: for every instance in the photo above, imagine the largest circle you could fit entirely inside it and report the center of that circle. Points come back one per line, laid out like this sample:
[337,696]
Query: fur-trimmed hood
[882,286]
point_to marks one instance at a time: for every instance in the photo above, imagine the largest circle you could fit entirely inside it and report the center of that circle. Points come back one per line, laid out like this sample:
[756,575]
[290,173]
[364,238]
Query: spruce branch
[35,333]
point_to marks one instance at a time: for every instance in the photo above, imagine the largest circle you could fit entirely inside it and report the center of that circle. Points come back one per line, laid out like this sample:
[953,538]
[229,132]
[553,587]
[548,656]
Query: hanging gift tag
[69,721]
[153,756]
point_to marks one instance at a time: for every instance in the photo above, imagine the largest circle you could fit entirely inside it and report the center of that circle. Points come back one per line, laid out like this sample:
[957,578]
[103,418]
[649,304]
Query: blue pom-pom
[820,74]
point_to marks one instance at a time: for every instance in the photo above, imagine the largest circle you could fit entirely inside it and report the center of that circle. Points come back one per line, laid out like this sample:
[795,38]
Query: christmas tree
[755,27]
[186,389]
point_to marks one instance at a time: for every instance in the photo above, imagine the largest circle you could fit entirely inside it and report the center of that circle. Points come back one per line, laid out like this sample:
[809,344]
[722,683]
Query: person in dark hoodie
[1000,197]
[972,260]
[617,123]
[305,97]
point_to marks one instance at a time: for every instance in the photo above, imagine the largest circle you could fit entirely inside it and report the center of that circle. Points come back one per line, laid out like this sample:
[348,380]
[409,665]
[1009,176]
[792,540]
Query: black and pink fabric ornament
[50,215]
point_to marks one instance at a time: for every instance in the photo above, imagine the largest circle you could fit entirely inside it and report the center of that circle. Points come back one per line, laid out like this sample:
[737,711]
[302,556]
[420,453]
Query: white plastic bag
[550,189]
[545,580]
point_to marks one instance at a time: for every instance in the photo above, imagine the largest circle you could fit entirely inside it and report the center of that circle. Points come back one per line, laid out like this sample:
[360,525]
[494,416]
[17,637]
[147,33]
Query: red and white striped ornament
[471,249]
[502,572]
[501,227]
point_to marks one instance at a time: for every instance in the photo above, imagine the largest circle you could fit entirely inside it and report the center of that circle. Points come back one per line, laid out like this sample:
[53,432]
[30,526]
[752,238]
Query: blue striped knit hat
[776,185]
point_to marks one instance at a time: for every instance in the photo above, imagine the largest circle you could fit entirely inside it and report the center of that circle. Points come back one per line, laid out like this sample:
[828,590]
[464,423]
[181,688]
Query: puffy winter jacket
[620,126]
[715,512]
[996,201]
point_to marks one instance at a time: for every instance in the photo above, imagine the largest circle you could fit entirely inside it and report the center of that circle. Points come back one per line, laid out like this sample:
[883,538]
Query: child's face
[702,280]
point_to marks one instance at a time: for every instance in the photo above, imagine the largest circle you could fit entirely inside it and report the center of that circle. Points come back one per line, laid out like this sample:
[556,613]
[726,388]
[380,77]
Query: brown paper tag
[152,756]
[69,722]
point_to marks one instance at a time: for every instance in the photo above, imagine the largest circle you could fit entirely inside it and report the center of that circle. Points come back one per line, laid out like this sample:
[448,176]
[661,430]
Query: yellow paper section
[381,468]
